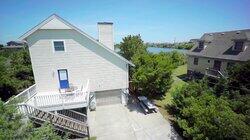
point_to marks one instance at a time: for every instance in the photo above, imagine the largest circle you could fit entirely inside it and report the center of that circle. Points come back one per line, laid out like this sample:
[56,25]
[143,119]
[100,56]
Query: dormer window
[201,45]
[238,46]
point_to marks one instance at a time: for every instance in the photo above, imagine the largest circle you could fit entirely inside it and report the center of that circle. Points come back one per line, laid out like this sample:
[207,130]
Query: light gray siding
[203,64]
[84,59]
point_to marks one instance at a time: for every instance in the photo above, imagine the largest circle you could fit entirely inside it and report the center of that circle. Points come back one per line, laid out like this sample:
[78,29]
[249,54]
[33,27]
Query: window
[196,61]
[238,46]
[201,45]
[58,45]
[208,61]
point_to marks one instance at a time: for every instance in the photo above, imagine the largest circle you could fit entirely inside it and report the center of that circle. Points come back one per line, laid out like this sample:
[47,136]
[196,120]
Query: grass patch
[167,99]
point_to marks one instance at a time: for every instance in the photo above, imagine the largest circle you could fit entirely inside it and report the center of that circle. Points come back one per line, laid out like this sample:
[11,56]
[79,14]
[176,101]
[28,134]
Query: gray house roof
[220,45]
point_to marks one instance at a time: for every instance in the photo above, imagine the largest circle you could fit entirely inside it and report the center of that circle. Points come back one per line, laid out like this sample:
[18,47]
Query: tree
[12,126]
[45,132]
[15,73]
[152,74]
[184,45]
[239,78]
[176,57]
[131,45]
[10,122]
[21,69]
[1,46]
[238,89]
[203,115]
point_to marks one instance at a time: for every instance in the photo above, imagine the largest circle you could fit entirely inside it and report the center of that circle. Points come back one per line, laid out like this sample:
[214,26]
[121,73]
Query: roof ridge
[227,31]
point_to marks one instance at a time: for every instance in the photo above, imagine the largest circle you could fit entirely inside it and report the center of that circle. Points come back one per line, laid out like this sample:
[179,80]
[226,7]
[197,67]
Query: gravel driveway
[119,122]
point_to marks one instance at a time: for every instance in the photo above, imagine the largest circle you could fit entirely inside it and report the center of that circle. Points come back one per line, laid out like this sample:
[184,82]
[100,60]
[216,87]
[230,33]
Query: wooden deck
[52,101]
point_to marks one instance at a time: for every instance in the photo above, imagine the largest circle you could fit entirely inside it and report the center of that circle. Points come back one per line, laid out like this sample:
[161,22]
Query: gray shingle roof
[220,44]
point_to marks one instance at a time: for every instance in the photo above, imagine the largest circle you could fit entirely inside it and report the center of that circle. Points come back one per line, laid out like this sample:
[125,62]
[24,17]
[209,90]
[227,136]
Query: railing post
[62,101]
[50,118]
[88,132]
[35,101]
[28,91]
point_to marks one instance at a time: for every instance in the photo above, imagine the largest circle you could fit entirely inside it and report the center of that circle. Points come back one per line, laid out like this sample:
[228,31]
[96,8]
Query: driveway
[119,122]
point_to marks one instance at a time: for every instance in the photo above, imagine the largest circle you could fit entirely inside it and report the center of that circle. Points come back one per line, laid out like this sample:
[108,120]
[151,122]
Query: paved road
[118,122]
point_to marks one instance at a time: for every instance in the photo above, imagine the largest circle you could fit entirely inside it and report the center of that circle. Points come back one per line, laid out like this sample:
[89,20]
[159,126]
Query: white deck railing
[62,100]
[55,101]
[25,95]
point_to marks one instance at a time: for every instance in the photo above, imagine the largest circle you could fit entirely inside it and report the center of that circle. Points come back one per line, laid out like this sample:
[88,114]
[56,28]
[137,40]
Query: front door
[217,64]
[63,78]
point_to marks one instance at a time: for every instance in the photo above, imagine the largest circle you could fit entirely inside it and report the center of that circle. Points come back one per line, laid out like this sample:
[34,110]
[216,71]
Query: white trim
[31,31]
[53,47]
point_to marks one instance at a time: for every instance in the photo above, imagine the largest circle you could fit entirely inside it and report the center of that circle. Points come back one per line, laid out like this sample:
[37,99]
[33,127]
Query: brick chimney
[105,34]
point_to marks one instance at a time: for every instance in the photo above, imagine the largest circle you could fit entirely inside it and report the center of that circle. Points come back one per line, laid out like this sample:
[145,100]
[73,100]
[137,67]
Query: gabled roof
[220,45]
[69,26]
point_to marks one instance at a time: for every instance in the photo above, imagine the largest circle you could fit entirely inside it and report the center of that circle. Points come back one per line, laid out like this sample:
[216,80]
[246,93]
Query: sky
[154,20]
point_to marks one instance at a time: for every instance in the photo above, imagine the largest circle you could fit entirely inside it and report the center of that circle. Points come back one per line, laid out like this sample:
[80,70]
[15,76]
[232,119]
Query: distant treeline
[180,45]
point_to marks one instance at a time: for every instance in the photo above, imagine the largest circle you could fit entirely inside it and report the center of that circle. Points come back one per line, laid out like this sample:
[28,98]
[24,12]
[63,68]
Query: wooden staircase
[71,122]
[77,116]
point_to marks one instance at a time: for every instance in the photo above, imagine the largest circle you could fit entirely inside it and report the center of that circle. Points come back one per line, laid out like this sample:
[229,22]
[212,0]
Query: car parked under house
[68,64]
[214,53]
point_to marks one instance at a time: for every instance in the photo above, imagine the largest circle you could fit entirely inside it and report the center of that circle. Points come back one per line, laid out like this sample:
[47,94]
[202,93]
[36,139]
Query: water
[158,50]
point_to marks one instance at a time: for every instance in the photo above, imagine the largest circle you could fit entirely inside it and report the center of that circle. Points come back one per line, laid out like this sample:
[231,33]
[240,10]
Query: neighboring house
[213,53]
[14,45]
[68,64]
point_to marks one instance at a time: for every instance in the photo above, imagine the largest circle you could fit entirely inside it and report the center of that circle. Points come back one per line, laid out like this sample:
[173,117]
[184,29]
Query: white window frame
[53,47]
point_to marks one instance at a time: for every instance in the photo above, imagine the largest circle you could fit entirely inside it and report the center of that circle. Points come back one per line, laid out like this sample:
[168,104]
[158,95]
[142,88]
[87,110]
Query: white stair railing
[25,95]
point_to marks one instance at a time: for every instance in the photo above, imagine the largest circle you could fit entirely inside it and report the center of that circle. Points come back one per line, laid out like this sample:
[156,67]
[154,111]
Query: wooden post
[88,132]
[50,118]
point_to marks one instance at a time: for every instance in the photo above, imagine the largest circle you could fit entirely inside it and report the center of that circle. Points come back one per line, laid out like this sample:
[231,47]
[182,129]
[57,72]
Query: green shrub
[15,73]
[152,74]
[13,126]
[203,115]
[131,45]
